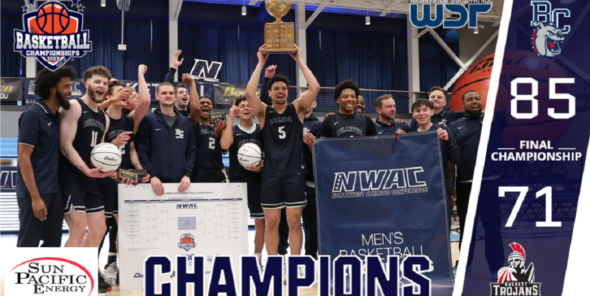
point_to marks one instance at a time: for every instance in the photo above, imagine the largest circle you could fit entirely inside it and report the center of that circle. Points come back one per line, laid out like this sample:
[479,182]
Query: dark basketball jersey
[116,127]
[208,149]
[342,127]
[237,173]
[90,130]
[282,137]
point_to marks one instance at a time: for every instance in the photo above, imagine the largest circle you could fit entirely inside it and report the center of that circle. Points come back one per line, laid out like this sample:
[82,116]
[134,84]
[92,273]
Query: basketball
[517,63]
[107,156]
[52,18]
[249,154]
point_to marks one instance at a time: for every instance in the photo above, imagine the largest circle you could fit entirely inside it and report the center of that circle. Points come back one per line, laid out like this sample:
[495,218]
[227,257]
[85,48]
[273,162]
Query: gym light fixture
[244,11]
[367,20]
[103,3]
[476,30]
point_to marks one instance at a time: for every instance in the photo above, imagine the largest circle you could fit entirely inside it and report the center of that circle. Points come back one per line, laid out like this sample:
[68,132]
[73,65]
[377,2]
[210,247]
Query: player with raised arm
[283,180]
[234,137]
[181,90]
[209,166]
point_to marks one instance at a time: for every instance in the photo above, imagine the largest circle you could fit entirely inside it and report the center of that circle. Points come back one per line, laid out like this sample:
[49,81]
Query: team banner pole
[524,201]
[385,197]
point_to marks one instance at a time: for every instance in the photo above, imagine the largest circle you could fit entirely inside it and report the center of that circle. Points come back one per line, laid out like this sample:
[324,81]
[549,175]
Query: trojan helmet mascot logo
[516,272]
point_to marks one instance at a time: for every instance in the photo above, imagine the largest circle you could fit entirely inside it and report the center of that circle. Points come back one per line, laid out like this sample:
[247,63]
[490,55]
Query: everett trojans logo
[516,280]
[187,242]
[52,34]
[548,33]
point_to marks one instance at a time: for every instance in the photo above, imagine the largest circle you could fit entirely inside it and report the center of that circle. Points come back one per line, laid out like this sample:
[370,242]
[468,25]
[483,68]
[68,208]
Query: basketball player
[347,122]
[438,97]
[37,187]
[283,181]
[422,111]
[386,125]
[121,123]
[467,132]
[360,104]
[233,138]
[209,166]
[181,91]
[165,143]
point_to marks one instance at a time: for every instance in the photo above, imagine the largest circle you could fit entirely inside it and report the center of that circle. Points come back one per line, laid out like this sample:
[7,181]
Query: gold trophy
[279,37]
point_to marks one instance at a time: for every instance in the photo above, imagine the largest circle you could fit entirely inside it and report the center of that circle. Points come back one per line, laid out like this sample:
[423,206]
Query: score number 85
[553,95]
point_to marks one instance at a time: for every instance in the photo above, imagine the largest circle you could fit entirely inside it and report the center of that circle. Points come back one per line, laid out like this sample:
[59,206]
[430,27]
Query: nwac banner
[383,196]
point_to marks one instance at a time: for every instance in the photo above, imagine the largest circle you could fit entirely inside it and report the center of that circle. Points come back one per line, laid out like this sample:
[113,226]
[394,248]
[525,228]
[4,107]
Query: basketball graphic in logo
[52,34]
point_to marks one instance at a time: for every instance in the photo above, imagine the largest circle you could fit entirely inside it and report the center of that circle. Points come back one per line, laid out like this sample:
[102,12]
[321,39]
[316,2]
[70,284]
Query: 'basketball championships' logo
[548,32]
[52,34]
[516,280]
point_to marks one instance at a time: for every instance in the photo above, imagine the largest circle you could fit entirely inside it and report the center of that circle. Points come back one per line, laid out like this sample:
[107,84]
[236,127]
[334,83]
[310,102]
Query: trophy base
[280,50]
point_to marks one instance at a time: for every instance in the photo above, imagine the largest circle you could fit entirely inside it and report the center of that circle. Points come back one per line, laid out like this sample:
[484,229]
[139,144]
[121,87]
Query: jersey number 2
[212,143]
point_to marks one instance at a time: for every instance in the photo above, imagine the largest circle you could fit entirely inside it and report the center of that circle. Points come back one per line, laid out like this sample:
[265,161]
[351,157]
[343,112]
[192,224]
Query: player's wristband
[172,70]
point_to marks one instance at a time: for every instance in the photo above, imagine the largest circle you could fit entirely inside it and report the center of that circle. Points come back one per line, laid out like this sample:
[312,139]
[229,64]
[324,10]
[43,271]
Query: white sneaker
[110,274]
[259,259]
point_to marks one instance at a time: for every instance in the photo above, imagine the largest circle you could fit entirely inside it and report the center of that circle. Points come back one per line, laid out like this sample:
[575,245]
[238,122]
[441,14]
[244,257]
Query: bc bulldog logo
[187,242]
[548,32]
[516,280]
[52,34]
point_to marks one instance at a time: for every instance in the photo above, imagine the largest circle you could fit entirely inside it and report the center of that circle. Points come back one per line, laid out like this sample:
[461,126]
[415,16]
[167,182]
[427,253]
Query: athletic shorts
[111,204]
[254,200]
[208,176]
[83,196]
[283,191]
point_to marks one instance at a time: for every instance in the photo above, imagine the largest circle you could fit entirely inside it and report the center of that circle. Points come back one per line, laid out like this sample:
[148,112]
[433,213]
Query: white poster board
[208,219]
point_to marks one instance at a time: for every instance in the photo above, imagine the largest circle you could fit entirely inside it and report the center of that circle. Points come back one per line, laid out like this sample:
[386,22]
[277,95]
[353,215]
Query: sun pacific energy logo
[50,276]
[370,183]
[548,33]
[53,34]
[460,13]
[516,280]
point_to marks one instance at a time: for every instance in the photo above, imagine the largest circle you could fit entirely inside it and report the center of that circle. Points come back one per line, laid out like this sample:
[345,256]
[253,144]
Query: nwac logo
[52,34]
[466,14]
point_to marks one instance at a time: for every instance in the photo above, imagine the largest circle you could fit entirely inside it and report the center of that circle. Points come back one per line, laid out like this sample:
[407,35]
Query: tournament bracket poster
[537,135]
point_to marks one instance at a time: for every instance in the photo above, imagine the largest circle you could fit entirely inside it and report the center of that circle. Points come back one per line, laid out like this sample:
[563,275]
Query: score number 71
[522,191]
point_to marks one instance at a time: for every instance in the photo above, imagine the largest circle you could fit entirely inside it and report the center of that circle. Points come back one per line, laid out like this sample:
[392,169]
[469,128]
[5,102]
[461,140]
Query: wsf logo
[464,14]
[52,34]
[548,32]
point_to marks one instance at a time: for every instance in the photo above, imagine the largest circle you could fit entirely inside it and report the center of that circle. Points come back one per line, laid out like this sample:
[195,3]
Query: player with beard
[209,166]
[467,131]
[387,125]
[360,104]
[37,186]
[347,122]
[233,139]
[283,181]
[438,97]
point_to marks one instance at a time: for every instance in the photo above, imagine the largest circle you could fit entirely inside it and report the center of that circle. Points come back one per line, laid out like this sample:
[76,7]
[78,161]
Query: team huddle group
[178,143]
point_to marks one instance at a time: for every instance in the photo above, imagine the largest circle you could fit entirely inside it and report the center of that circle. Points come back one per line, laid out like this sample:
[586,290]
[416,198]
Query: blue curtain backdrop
[13,64]
[376,62]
